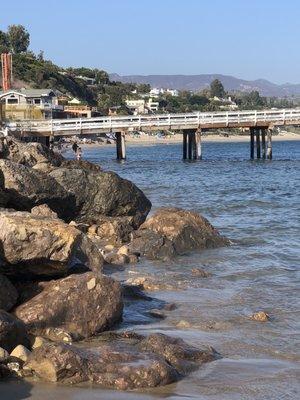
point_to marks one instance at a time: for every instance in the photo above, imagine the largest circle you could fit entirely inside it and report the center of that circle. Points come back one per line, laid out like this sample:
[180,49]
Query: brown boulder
[12,331]
[174,231]
[8,294]
[43,211]
[113,230]
[32,245]
[82,305]
[29,154]
[133,363]
[27,188]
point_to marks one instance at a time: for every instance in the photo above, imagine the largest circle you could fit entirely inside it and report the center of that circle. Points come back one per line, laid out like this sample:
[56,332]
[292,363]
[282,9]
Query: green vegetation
[34,71]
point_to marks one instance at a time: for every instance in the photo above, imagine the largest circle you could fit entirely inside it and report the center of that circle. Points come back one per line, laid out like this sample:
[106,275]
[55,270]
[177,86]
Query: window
[12,101]
[37,101]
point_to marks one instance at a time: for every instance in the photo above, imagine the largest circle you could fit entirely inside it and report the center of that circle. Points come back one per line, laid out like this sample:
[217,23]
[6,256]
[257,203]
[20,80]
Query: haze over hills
[200,82]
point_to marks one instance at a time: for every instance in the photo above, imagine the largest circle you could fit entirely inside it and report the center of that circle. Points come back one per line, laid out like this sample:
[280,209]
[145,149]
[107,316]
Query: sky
[249,39]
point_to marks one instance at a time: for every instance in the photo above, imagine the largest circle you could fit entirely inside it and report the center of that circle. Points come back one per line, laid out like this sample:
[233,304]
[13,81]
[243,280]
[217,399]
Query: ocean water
[255,204]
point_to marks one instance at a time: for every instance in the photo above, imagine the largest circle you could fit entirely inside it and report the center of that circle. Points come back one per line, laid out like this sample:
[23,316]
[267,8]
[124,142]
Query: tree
[4,43]
[19,38]
[217,89]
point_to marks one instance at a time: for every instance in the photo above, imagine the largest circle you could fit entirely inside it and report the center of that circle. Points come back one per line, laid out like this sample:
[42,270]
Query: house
[21,104]
[136,106]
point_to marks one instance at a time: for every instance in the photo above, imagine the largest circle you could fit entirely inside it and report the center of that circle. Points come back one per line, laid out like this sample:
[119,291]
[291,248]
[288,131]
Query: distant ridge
[199,82]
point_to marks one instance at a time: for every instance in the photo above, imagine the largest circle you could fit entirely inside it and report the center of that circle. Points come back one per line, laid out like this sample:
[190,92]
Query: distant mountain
[199,82]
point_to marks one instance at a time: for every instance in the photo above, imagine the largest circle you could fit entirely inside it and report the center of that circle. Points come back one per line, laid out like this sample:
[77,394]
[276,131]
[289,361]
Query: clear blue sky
[246,38]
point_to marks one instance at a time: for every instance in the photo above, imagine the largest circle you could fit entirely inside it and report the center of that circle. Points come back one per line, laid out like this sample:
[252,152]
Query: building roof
[30,92]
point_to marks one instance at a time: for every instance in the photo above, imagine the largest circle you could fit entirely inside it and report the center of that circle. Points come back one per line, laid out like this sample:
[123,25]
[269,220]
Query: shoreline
[177,139]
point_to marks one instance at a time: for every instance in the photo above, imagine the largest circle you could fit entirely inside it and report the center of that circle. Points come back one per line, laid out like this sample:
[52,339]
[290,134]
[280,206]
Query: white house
[42,98]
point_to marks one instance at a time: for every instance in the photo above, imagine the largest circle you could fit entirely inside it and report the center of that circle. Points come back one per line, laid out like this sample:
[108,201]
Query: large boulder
[27,187]
[12,332]
[133,363]
[101,193]
[30,154]
[112,230]
[81,305]
[8,294]
[33,245]
[174,231]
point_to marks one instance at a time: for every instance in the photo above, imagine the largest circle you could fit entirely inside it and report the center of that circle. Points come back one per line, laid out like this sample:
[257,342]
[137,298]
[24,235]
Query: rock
[34,245]
[12,331]
[43,211]
[8,294]
[148,283]
[114,230]
[3,195]
[20,352]
[109,247]
[124,250]
[28,188]
[4,371]
[116,259]
[260,316]
[127,362]
[183,324]
[80,305]
[170,307]
[100,193]
[177,353]
[38,341]
[4,355]
[200,272]
[30,154]
[174,231]
[156,313]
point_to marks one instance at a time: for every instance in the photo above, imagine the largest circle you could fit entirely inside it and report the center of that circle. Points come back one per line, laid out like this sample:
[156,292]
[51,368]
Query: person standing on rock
[75,147]
[79,153]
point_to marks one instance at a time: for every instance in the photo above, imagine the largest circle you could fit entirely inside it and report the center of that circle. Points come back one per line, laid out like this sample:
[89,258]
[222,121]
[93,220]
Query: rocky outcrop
[8,294]
[81,305]
[32,245]
[112,230]
[174,231]
[27,188]
[12,332]
[99,193]
[30,154]
[135,363]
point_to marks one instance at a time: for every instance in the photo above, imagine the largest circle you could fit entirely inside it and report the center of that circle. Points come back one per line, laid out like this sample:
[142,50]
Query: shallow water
[255,204]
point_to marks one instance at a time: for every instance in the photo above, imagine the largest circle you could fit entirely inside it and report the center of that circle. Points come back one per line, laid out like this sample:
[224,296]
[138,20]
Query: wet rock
[20,352]
[174,231]
[29,154]
[28,188]
[170,307]
[38,341]
[201,273]
[8,294]
[75,307]
[43,211]
[157,313]
[4,355]
[177,353]
[100,193]
[116,259]
[136,362]
[183,324]
[260,316]
[12,331]
[34,245]
[150,284]
[133,292]
[123,250]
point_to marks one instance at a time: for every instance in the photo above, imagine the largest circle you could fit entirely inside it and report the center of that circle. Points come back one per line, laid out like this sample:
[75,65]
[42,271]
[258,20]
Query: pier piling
[252,143]
[257,134]
[263,143]
[190,144]
[184,145]
[269,144]
[120,145]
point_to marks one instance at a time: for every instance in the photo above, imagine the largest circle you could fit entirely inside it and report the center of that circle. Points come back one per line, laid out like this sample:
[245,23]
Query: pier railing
[160,121]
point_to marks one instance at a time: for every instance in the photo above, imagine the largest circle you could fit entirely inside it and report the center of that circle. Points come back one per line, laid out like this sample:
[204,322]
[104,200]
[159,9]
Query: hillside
[200,82]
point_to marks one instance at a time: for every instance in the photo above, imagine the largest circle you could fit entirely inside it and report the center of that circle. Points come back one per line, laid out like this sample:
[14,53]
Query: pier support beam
[269,144]
[257,134]
[263,143]
[191,144]
[252,143]
[184,145]
[121,147]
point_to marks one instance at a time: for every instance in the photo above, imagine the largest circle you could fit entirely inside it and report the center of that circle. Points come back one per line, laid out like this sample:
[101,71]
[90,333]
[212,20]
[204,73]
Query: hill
[200,82]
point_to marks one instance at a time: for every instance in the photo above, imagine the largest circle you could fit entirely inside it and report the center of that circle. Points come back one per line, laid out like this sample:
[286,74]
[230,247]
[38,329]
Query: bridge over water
[259,123]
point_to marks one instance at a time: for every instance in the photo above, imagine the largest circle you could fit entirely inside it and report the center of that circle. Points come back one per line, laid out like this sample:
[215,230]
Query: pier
[259,124]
